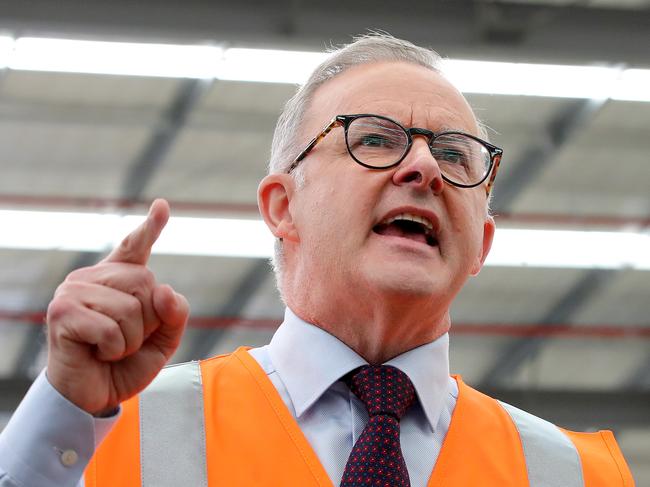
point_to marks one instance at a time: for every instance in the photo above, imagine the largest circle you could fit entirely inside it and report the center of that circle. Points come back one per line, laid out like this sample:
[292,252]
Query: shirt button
[69,458]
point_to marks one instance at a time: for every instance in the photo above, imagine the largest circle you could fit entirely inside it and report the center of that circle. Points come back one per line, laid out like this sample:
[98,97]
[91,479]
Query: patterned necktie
[376,458]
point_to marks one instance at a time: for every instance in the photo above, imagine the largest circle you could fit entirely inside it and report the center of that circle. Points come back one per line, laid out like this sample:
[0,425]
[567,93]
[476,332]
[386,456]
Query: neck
[377,329]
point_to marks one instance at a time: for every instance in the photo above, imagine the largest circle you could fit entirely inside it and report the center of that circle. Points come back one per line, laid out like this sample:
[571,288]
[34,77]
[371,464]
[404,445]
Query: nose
[419,169]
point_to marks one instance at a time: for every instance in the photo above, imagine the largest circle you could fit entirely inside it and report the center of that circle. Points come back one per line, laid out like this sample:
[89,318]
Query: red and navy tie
[376,458]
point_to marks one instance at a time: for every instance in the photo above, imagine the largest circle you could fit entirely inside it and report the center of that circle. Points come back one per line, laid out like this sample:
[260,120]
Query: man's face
[345,242]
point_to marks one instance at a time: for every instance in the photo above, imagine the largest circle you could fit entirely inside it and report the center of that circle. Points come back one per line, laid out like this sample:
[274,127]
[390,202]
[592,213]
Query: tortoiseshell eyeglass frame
[345,121]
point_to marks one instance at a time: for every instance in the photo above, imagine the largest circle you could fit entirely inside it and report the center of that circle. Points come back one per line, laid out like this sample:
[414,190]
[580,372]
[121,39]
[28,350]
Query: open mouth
[412,227]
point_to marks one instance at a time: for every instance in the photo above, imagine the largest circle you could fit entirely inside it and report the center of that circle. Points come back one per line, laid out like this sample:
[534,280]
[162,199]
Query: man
[378,195]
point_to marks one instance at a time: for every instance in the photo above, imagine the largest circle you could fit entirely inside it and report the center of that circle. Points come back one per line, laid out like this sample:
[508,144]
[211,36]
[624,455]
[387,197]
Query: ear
[273,197]
[488,235]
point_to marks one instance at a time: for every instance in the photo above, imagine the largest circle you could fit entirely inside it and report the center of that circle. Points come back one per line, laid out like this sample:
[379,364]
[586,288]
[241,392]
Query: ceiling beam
[462,28]
[31,112]
[574,117]
[525,349]
[639,378]
[163,137]
[204,340]
[124,117]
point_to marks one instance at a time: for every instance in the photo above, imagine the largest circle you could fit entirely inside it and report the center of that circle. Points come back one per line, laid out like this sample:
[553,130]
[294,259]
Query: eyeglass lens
[378,142]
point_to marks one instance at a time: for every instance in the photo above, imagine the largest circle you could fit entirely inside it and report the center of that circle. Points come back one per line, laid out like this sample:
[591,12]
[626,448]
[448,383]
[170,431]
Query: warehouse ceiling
[569,343]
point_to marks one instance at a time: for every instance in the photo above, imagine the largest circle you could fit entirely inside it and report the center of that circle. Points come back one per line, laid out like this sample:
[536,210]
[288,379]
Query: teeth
[410,217]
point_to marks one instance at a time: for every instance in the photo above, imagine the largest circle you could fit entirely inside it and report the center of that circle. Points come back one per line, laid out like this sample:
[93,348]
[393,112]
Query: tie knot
[383,389]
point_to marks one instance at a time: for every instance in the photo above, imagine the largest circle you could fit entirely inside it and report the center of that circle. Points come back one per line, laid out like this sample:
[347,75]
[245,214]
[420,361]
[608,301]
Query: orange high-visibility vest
[247,437]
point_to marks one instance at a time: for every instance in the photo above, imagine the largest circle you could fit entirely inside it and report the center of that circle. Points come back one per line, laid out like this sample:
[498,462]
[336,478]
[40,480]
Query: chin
[404,283]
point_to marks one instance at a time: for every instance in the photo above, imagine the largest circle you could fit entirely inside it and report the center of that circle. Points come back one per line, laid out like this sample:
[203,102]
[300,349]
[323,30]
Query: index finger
[136,246]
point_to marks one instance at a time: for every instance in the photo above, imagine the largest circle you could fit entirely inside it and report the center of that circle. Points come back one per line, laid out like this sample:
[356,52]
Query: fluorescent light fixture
[552,80]
[121,58]
[268,65]
[569,248]
[531,79]
[225,237]
[97,232]
[6,46]
[634,85]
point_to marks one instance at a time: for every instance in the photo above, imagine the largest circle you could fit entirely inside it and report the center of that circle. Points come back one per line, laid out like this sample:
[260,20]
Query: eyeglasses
[377,142]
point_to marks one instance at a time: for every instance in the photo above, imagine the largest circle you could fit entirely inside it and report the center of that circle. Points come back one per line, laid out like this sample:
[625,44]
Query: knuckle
[148,279]
[127,246]
[70,291]
[70,288]
[144,281]
[59,308]
[80,274]
[133,337]
[60,289]
[133,307]
[73,276]
[110,334]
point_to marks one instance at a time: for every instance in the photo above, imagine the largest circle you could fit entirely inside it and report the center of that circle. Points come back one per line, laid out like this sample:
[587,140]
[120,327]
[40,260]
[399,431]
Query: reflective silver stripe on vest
[172,430]
[551,458]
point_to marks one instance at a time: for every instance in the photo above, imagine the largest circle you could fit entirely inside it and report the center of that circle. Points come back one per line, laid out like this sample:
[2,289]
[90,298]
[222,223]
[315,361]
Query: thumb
[173,310]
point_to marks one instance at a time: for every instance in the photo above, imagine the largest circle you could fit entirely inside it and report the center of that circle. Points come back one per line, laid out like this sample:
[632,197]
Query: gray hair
[287,140]
[371,48]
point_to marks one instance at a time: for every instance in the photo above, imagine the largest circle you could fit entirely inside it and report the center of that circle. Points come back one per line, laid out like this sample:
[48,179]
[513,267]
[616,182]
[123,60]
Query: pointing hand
[111,326]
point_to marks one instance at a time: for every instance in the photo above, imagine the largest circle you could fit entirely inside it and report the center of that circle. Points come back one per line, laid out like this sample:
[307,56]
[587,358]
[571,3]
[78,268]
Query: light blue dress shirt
[305,365]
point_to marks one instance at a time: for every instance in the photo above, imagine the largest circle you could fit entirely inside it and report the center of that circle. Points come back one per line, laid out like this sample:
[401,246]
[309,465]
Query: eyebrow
[397,117]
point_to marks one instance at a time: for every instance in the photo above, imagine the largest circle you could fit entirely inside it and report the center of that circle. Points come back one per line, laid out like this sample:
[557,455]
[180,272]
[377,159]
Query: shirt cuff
[49,440]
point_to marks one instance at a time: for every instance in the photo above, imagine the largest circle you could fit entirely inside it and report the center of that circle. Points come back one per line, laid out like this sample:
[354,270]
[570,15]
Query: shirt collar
[309,360]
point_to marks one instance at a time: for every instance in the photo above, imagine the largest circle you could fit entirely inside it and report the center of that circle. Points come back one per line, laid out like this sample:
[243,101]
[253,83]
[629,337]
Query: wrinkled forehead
[411,94]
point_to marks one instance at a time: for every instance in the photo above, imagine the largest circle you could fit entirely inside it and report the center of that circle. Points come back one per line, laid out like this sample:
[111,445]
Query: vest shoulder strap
[552,460]
[172,429]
